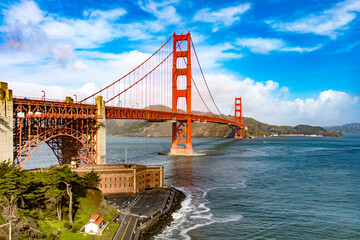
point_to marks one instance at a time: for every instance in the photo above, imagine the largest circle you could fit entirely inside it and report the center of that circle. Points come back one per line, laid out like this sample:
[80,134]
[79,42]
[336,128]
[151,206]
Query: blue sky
[292,62]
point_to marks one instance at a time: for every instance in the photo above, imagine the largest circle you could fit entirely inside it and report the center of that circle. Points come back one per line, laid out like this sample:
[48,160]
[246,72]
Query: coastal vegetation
[142,128]
[52,203]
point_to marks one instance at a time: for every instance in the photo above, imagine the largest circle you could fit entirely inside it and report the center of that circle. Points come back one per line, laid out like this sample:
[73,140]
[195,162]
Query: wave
[232,186]
[195,213]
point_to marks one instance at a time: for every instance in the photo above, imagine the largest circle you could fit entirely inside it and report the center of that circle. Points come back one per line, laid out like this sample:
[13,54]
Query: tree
[90,180]
[67,177]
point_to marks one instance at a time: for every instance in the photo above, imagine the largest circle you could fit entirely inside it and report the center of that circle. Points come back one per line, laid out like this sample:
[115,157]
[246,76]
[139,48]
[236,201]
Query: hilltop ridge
[142,128]
[346,128]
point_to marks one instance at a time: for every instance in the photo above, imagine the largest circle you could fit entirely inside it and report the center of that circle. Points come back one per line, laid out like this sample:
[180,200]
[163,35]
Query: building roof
[95,219]
[97,167]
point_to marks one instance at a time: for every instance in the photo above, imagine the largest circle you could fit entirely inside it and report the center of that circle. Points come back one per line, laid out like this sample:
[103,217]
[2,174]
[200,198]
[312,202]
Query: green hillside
[142,128]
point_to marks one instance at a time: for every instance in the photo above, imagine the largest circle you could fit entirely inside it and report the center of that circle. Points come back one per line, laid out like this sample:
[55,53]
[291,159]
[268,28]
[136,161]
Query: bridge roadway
[35,108]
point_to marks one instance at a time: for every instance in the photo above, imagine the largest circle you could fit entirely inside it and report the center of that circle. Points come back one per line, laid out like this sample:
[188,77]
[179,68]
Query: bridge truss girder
[68,129]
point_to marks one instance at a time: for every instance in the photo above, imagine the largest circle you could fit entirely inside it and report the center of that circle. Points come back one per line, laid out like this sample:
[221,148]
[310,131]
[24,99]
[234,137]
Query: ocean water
[262,188]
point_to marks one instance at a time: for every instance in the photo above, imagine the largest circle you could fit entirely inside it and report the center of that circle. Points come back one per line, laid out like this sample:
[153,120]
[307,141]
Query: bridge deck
[30,108]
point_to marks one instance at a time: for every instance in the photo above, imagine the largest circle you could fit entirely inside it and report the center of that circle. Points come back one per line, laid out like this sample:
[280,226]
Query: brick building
[126,178]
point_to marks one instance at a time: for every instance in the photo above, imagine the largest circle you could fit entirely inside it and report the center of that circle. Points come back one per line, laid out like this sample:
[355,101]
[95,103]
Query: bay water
[262,188]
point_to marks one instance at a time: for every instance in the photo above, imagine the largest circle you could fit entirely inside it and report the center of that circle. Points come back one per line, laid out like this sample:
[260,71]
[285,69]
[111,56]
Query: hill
[142,128]
[347,128]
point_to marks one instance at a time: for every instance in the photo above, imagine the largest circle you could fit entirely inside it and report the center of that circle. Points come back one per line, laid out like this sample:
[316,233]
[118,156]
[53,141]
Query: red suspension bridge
[169,85]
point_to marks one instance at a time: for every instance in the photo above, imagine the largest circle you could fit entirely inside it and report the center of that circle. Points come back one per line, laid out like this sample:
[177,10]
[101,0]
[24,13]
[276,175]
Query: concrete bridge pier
[6,123]
[101,131]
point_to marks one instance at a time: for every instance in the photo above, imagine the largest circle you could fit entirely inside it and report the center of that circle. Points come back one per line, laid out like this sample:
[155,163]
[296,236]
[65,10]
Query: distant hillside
[142,128]
[347,128]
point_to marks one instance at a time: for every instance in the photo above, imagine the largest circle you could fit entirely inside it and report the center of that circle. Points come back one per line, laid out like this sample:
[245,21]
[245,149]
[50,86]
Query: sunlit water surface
[263,188]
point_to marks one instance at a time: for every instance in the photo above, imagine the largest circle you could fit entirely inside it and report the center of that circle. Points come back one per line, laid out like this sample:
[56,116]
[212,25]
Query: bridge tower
[238,117]
[101,131]
[6,123]
[181,129]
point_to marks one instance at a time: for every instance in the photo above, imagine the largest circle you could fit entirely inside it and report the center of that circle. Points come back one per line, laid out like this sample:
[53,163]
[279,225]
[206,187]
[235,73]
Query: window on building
[156,179]
[119,184]
[129,178]
[105,185]
[156,185]
[100,185]
[114,184]
[129,184]
[105,179]
[110,179]
[156,174]
[115,179]
[110,185]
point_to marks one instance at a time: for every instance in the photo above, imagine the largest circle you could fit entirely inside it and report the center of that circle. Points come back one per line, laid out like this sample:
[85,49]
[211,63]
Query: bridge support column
[181,129]
[6,124]
[101,132]
[238,118]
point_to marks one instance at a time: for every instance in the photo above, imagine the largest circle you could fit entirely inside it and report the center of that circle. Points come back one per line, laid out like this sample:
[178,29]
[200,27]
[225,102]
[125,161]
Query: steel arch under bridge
[68,129]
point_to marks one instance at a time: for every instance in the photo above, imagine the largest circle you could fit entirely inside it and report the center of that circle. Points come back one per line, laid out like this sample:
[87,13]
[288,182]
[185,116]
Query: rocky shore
[158,225]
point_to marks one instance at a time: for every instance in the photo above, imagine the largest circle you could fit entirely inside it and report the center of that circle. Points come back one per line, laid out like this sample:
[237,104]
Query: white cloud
[90,66]
[110,15]
[222,18]
[268,103]
[213,56]
[26,27]
[62,52]
[22,89]
[23,13]
[330,22]
[266,45]
[78,65]
[164,11]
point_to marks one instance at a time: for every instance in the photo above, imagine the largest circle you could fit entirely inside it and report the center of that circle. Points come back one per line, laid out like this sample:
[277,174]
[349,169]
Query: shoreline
[157,225]
[146,214]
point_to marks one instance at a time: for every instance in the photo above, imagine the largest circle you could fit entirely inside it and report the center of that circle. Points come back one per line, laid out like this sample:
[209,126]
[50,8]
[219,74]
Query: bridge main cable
[202,73]
[127,73]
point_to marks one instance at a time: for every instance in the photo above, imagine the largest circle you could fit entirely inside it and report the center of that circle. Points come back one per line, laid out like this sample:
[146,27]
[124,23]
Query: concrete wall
[101,132]
[6,123]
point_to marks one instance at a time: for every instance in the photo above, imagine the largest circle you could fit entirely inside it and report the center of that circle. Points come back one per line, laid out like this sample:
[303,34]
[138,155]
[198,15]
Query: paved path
[126,228]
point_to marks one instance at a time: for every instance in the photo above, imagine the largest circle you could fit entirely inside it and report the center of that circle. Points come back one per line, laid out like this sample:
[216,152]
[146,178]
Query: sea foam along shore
[158,225]
[195,213]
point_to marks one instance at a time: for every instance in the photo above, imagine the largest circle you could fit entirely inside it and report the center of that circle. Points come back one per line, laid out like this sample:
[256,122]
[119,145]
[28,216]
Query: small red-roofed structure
[94,224]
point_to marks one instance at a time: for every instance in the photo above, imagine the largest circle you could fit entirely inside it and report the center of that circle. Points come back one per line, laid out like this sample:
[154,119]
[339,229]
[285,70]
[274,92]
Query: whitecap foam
[234,186]
[195,213]
[208,217]
[234,218]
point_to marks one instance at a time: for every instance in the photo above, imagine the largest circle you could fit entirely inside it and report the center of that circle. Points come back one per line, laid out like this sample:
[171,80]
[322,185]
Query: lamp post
[43,97]
[75,98]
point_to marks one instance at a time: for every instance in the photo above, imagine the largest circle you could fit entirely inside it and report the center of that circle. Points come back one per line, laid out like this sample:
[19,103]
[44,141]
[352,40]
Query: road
[133,206]
[126,228]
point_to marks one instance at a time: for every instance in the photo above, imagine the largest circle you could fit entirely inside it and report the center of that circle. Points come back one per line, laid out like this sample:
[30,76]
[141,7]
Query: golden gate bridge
[168,86]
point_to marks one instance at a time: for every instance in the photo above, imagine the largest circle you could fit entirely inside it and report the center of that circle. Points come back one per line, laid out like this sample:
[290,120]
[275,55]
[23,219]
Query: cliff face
[141,128]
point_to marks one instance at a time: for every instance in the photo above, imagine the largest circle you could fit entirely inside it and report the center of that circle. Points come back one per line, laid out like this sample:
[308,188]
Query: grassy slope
[93,203]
